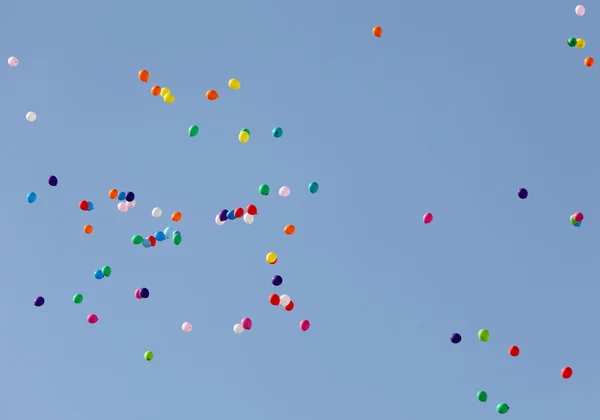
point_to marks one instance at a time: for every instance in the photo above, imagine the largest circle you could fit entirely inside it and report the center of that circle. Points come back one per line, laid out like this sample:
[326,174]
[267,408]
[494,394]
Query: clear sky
[454,109]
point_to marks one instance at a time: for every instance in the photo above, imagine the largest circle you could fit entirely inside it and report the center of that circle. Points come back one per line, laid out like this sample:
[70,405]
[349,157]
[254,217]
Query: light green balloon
[484,335]
[107,271]
[194,130]
[177,239]
[148,355]
[502,408]
[78,298]
[573,220]
[482,396]
[137,239]
[264,189]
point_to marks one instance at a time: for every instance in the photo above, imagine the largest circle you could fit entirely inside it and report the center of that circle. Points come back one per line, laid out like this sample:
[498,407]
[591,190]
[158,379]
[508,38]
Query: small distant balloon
[514,351]
[186,327]
[238,329]
[88,229]
[31,197]
[290,306]
[304,325]
[193,131]
[220,222]
[243,137]
[131,204]
[92,318]
[138,293]
[248,219]
[277,132]
[284,191]
[274,299]
[284,300]
[13,61]
[578,217]
[137,239]
[144,293]
[264,189]
[289,229]
[502,408]
[39,301]
[251,210]
[148,355]
[246,323]
[580,43]
[427,218]
[277,280]
[123,207]
[482,396]
[155,90]
[31,116]
[234,84]
[164,91]
[98,275]
[580,10]
[571,42]
[78,298]
[455,338]
[271,257]
[522,193]
[176,217]
[113,194]
[107,271]
[53,181]
[313,187]
[377,31]
[169,98]
[156,212]
[588,62]
[212,95]
[484,335]
[144,76]
[129,196]
[566,372]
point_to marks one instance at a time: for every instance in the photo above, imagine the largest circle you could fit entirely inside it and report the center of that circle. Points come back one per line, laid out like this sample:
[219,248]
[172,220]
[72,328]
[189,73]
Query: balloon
[377,31]
[90,206]
[131,204]
[148,355]
[580,43]
[271,257]
[121,196]
[243,137]
[284,191]
[13,61]
[248,219]
[234,84]
[92,318]
[289,229]
[588,62]
[580,10]
[83,205]
[239,212]
[246,130]
[313,187]
[246,323]
[53,181]
[169,98]
[304,325]
[122,207]
[193,130]
[156,212]
[218,220]
[455,338]
[427,218]
[186,327]
[264,189]
[274,262]
[129,196]
[176,217]
[137,239]
[168,232]
[164,91]
[152,240]
[274,299]
[39,301]
[212,95]
[284,300]
[502,408]
[484,335]
[578,217]
[238,329]
[31,116]
[514,351]
[290,306]
[251,210]
[144,293]
[277,280]
[177,238]
[88,229]
[231,214]
[31,197]
[107,271]
[146,243]
[160,236]
[223,215]
[571,42]
[113,194]
[155,90]
[277,132]
[522,193]
[566,372]
[98,274]
[482,396]
[144,76]
[138,293]
[78,298]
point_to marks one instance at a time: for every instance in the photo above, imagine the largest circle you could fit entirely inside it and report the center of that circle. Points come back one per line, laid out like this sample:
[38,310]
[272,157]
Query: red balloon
[514,351]
[83,205]
[251,210]
[274,299]
[152,240]
[290,306]
[566,372]
[239,212]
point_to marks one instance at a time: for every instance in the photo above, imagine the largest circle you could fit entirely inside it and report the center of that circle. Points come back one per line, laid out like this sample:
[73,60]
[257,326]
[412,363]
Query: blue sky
[454,109]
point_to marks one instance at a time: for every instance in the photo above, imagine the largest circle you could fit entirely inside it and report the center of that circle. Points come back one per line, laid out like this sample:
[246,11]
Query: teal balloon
[482,396]
[194,130]
[313,187]
[502,408]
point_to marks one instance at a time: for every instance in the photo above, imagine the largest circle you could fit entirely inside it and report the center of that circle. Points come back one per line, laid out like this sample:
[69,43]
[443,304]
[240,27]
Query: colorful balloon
[238,329]
[313,187]
[113,194]
[522,193]
[271,257]
[277,280]
[52,181]
[578,217]
[144,293]
[246,323]
[164,91]
[290,306]
[248,219]
[243,137]
[234,84]
[129,196]
[289,229]
[264,189]
[121,196]
[212,95]
[274,299]
[580,43]
[144,76]
[137,239]
[123,207]
[566,372]
[39,301]
[220,222]
[155,91]
[455,338]
[169,98]
[156,212]
[176,217]
[193,130]
[83,205]
[138,293]
[377,31]
[588,62]
[571,42]
[251,210]
[284,191]
[580,10]
[484,335]
[78,298]
[186,327]
[514,351]
[98,274]
[502,408]
[277,132]
[92,318]
[31,197]
[148,355]
[304,325]
[88,229]
[482,396]
[427,218]
[284,300]
[107,271]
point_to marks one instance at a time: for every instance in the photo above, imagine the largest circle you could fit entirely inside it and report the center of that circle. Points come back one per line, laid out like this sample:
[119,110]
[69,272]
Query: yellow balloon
[244,137]
[164,91]
[580,43]
[271,257]
[234,84]
[169,98]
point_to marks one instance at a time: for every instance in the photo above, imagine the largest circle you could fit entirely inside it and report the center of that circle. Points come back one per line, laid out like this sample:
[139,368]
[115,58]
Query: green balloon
[107,271]
[194,130]
[572,42]
[78,298]
[313,187]
[482,396]
[264,189]
[137,239]
[246,130]
[484,335]
[573,220]
[502,408]
[177,239]
[148,355]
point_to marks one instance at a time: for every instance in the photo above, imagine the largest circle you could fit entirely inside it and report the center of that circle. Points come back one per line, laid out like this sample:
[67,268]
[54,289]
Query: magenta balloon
[246,323]
[138,293]
[578,217]
[304,325]
[92,318]
[427,218]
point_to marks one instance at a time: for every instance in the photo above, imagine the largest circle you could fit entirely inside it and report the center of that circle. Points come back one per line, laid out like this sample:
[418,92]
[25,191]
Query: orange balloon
[377,31]
[176,217]
[88,229]
[289,229]
[589,61]
[144,76]
[155,90]
[212,95]
[113,194]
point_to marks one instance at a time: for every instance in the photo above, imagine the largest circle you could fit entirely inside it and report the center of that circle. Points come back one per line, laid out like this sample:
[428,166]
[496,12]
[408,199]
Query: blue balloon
[31,197]
[176,233]
[90,206]
[160,236]
[168,232]
[98,274]
[277,132]
[146,243]
[231,215]
[121,196]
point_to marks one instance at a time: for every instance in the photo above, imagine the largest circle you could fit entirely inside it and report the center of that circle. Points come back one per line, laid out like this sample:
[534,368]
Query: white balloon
[132,204]
[284,300]
[13,61]
[580,10]
[248,218]
[31,116]
[123,207]
[186,327]
[238,329]
[156,212]
[284,191]
[218,220]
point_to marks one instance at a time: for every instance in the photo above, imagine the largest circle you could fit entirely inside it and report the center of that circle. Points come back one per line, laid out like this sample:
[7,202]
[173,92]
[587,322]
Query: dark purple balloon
[129,197]
[53,181]
[39,301]
[277,280]
[223,215]
[523,193]
[145,293]
[455,338]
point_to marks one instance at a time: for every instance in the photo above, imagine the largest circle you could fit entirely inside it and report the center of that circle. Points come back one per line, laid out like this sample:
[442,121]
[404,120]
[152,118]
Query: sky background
[454,109]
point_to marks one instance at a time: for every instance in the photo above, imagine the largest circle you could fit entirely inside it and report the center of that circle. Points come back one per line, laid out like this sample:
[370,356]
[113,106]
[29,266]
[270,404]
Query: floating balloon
[234,84]
[131,204]
[522,193]
[243,137]
[78,298]
[571,42]
[455,338]
[169,98]
[164,91]
[313,187]
[53,181]
[122,207]
[251,210]
[148,355]
[39,301]
[168,232]
[248,219]
[304,325]
[588,62]
[284,191]
[502,408]
[137,239]
[578,217]
[13,61]
[160,236]
[580,43]
[290,306]
[176,217]
[246,130]
[377,31]
[186,327]
[138,293]
[177,238]
[566,372]
[144,293]
[92,318]
[289,229]
[107,271]
[212,95]
[482,396]
[146,243]
[129,196]
[31,116]
[113,194]
[88,229]
[484,335]
[231,215]
[580,10]
[277,132]
[238,329]
[121,196]
[271,257]
[83,205]
[220,222]
[90,206]
[427,218]
[155,91]
[246,323]
[152,240]
[514,351]
[144,76]
[264,189]
[277,280]
[239,212]
[193,130]
[31,197]
[156,212]
[284,300]
[274,299]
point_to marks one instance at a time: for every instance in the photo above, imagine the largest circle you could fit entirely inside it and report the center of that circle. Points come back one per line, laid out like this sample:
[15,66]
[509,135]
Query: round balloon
[186,327]
[427,218]
[53,181]
[39,301]
[455,338]
[148,355]
[484,335]
[502,408]
[78,298]
[220,222]
[277,280]
[246,323]
[284,300]
[522,193]
[482,396]
[31,197]
[514,351]
[313,187]
[156,212]
[13,61]
[580,10]
[92,318]
[284,191]
[193,131]
[122,206]
[238,329]
[31,116]
[304,325]
[248,219]
[271,257]
[264,189]
[277,132]
[234,84]
[566,372]
[377,31]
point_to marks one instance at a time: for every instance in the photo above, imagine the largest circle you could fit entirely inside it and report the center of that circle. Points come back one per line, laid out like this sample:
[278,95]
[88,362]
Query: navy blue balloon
[455,338]
[277,280]
[160,236]
[129,196]
[223,215]
[145,293]
[231,215]
[523,193]
[121,196]
[39,301]
[53,181]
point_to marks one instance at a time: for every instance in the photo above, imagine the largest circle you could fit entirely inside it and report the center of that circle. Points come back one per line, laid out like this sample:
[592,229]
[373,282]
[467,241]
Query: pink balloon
[92,318]
[580,10]
[427,218]
[578,217]
[123,207]
[218,221]
[12,61]
[132,204]
[246,323]
[138,293]
[284,191]
[304,325]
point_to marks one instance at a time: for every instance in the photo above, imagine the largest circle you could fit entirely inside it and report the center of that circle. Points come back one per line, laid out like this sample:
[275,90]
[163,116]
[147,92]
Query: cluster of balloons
[576,219]
[53,182]
[86,205]
[501,408]
[285,191]
[244,325]
[105,271]
[142,293]
[238,213]
[244,135]
[283,300]
[151,240]
[165,93]
[126,199]
[576,42]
